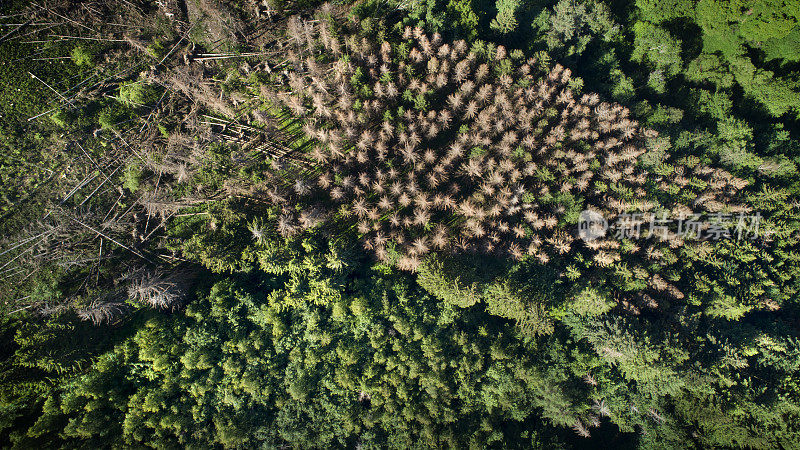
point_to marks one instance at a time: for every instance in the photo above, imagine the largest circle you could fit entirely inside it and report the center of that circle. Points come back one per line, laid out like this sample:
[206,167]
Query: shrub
[60,118]
[82,56]
[132,177]
[138,93]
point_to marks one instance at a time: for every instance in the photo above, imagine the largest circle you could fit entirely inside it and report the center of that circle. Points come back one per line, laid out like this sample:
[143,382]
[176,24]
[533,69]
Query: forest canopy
[424,224]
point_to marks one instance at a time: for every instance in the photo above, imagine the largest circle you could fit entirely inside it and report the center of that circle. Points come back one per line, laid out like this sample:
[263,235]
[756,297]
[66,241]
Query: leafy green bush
[60,118]
[82,56]
[139,93]
[110,116]
[132,177]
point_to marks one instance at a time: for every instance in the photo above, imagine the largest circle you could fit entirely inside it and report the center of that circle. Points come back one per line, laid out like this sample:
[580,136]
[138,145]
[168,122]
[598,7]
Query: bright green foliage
[82,56]
[466,16]
[529,315]
[222,376]
[589,302]
[571,26]
[658,11]
[732,30]
[708,68]
[302,341]
[506,20]
[60,118]
[132,177]
[136,94]
[659,49]
[447,285]
[261,363]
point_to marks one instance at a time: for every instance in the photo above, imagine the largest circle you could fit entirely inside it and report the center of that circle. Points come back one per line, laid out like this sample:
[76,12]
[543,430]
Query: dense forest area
[400,224]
